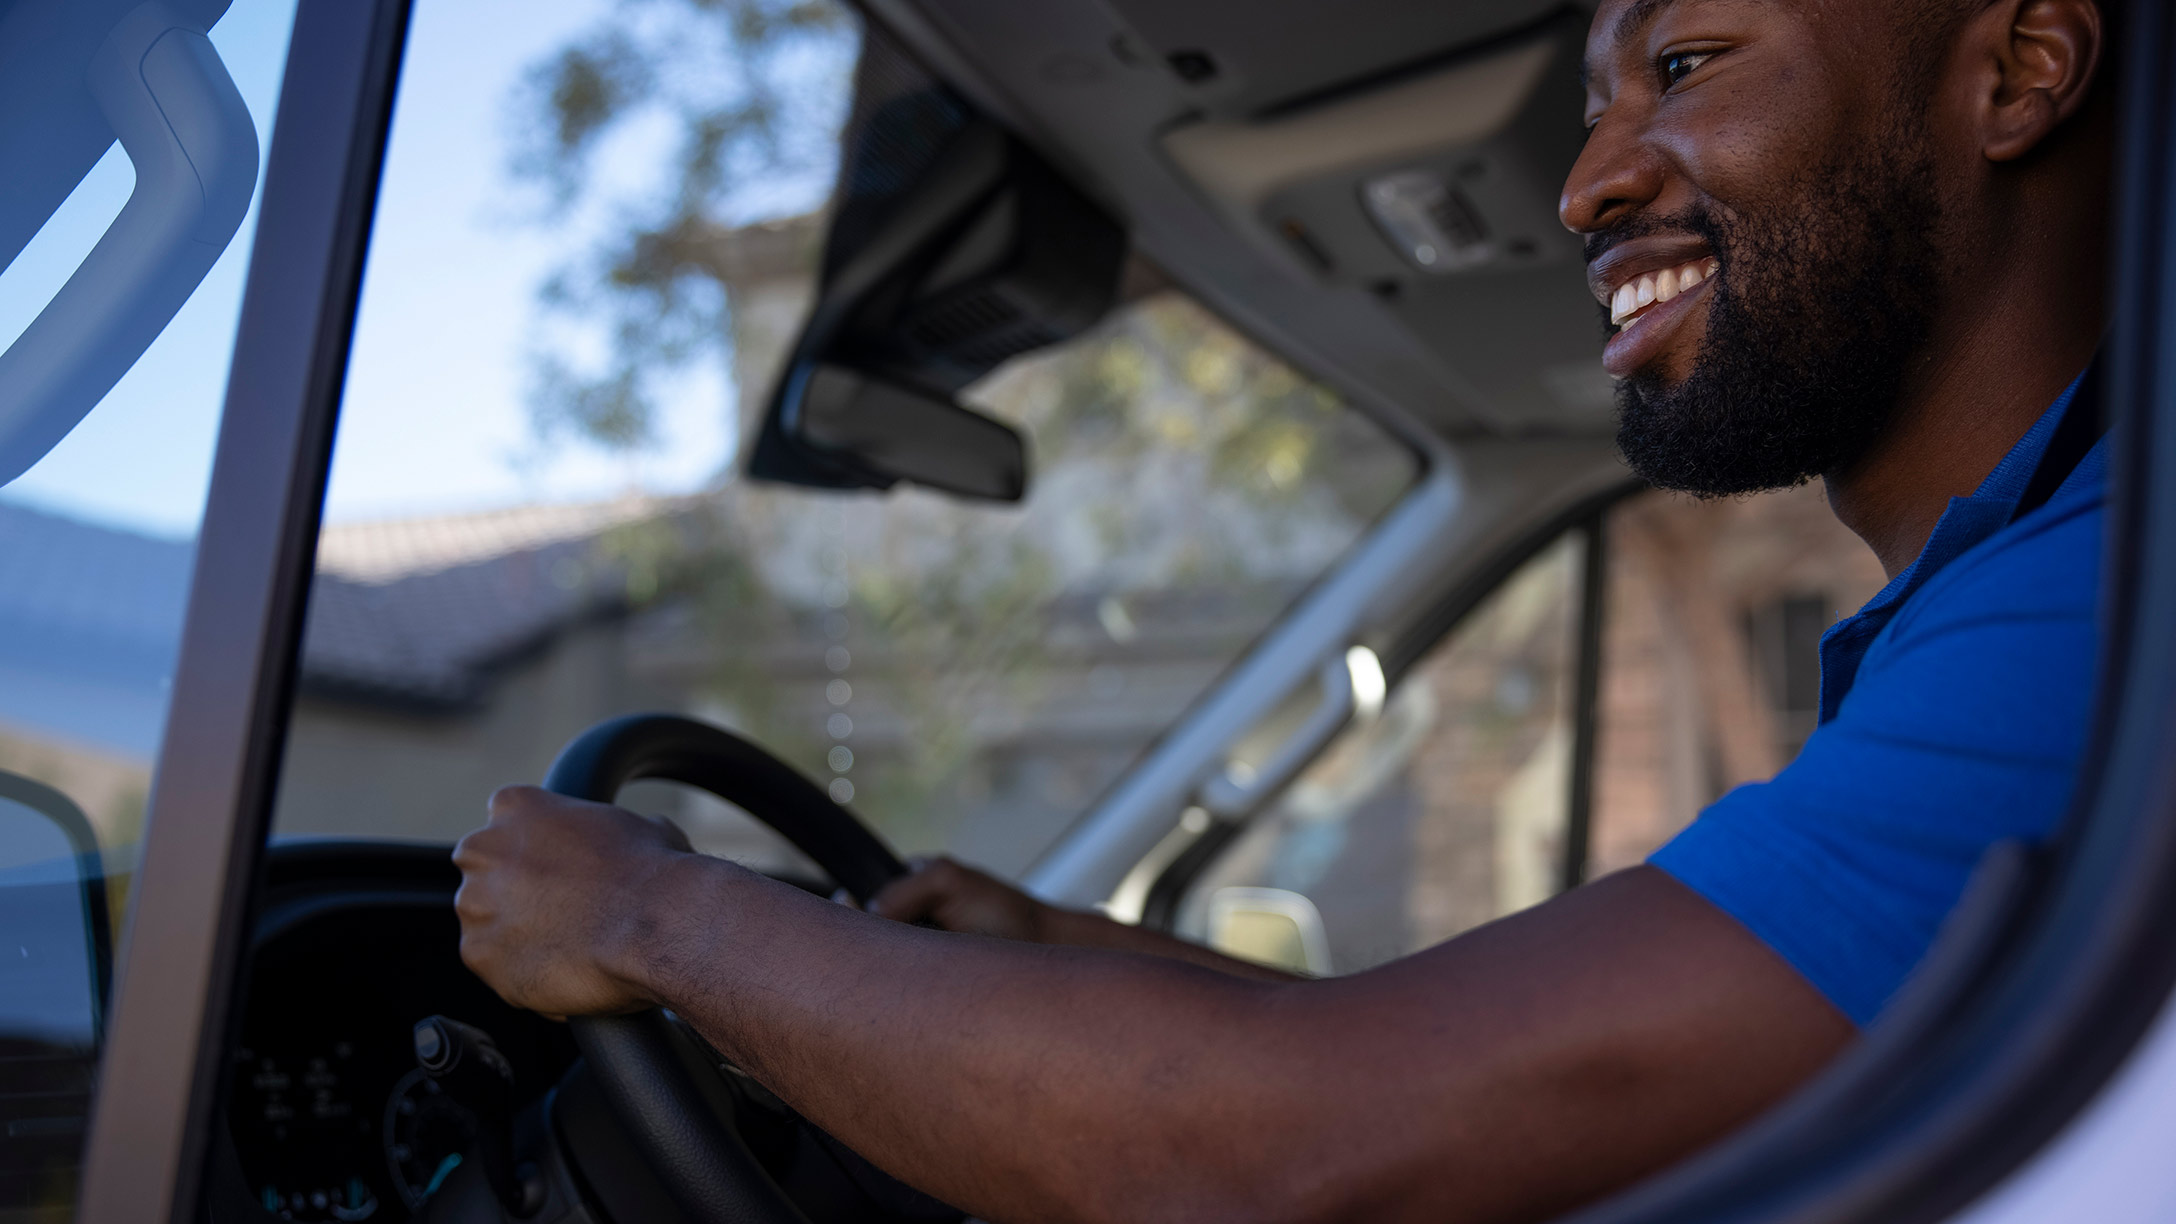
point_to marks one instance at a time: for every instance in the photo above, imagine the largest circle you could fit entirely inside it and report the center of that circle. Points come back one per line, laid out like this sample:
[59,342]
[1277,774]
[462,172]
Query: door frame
[164,1054]
[1174,869]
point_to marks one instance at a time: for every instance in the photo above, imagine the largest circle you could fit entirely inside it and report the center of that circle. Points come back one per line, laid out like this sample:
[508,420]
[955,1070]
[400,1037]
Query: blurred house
[83,709]
[445,657]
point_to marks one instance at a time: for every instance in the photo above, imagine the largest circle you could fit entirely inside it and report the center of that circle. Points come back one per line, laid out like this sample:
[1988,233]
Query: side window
[1446,810]
[1454,806]
[132,140]
[1710,667]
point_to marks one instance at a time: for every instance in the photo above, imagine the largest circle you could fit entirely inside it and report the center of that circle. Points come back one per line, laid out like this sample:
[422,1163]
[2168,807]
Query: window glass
[1450,809]
[120,320]
[1445,811]
[537,518]
[1711,669]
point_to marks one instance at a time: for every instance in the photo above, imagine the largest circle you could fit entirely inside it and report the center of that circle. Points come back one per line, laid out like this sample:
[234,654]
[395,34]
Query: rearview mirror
[55,948]
[955,249]
[911,435]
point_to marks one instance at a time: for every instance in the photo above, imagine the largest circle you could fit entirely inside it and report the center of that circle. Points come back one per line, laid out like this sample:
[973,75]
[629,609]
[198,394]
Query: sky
[142,458]
[435,417]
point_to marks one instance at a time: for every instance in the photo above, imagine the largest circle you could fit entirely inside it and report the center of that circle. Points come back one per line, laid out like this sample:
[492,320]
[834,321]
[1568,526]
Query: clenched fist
[553,900]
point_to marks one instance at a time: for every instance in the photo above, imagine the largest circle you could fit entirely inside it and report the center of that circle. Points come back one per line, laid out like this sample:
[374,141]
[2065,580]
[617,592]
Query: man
[1853,239]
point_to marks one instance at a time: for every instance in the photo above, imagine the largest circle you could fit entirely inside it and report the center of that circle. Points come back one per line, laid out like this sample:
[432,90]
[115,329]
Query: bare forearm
[1087,929]
[1506,1076]
[1053,1069]
[953,896]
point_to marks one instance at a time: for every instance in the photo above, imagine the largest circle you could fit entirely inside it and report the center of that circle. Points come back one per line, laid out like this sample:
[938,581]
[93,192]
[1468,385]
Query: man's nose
[1616,175]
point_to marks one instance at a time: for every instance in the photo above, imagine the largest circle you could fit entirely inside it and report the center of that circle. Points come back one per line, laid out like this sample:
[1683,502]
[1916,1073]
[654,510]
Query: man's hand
[953,897]
[551,900]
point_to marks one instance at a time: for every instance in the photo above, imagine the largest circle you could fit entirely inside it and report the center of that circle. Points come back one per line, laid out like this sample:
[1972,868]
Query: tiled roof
[396,549]
[90,621]
[422,610]
[99,584]
[414,611]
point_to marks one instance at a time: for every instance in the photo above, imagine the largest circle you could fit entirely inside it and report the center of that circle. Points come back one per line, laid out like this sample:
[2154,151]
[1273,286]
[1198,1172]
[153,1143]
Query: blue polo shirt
[1954,708]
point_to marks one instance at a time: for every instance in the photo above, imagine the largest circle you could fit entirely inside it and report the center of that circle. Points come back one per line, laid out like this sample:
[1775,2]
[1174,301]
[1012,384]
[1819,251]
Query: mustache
[1697,220]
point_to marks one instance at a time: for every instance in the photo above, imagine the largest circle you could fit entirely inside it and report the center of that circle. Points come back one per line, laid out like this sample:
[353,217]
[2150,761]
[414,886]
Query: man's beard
[1822,303]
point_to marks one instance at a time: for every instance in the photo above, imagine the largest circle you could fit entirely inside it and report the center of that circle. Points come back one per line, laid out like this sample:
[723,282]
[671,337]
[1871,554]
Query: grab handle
[1237,789]
[182,123]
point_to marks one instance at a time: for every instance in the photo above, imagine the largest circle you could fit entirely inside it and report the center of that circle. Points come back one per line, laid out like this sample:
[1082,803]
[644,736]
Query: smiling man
[1852,240]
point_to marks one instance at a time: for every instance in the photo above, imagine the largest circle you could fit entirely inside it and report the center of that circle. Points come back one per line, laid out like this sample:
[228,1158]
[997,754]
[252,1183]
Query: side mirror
[1269,926]
[956,262]
[56,947]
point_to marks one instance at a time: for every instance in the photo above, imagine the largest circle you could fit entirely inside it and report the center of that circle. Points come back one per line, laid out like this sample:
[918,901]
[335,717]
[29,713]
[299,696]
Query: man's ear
[2044,56]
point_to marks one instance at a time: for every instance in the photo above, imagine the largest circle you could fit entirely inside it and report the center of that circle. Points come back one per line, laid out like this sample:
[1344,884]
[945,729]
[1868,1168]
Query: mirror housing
[55,985]
[985,254]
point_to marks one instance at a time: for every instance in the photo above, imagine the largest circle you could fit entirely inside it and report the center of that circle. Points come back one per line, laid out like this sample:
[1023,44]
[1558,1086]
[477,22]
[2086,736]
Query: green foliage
[1166,376]
[753,93]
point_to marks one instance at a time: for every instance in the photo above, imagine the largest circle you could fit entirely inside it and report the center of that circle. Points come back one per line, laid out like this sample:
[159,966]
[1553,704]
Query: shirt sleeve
[1964,729]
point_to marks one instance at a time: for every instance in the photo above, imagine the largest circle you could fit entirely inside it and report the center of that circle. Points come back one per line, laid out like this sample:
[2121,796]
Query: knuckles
[511,803]
[472,852]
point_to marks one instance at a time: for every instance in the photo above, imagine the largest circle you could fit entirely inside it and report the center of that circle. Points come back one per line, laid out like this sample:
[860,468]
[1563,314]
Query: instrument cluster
[330,1116]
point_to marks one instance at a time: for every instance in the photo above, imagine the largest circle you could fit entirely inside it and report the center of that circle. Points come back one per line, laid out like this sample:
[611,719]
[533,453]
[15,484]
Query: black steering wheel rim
[642,1064]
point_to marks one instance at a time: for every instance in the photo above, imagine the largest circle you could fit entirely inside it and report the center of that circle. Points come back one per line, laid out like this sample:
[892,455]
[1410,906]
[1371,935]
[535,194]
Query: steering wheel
[670,1100]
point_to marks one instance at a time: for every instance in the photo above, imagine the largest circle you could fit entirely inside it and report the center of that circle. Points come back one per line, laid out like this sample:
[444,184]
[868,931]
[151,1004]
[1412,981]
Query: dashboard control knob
[469,1066]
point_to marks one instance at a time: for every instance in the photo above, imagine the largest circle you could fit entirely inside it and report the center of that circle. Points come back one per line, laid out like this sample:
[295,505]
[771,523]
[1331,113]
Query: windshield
[594,246]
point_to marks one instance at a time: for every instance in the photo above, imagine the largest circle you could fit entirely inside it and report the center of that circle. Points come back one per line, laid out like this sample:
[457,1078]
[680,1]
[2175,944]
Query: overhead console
[1436,189]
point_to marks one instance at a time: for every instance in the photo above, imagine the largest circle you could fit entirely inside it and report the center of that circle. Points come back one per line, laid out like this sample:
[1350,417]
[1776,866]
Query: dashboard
[329,1116]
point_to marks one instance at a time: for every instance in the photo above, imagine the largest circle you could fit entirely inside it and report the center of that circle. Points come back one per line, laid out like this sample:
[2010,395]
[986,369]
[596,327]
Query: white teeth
[1636,295]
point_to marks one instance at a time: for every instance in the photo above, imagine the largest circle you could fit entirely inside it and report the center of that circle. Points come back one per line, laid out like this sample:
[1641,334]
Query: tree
[751,94]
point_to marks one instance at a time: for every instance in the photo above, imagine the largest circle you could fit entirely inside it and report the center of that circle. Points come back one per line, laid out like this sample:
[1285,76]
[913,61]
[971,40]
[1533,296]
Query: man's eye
[1679,65]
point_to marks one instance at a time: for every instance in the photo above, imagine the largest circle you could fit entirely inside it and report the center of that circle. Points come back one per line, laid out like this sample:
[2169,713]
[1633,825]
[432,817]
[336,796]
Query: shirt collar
[1966,522]
[1969,520]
